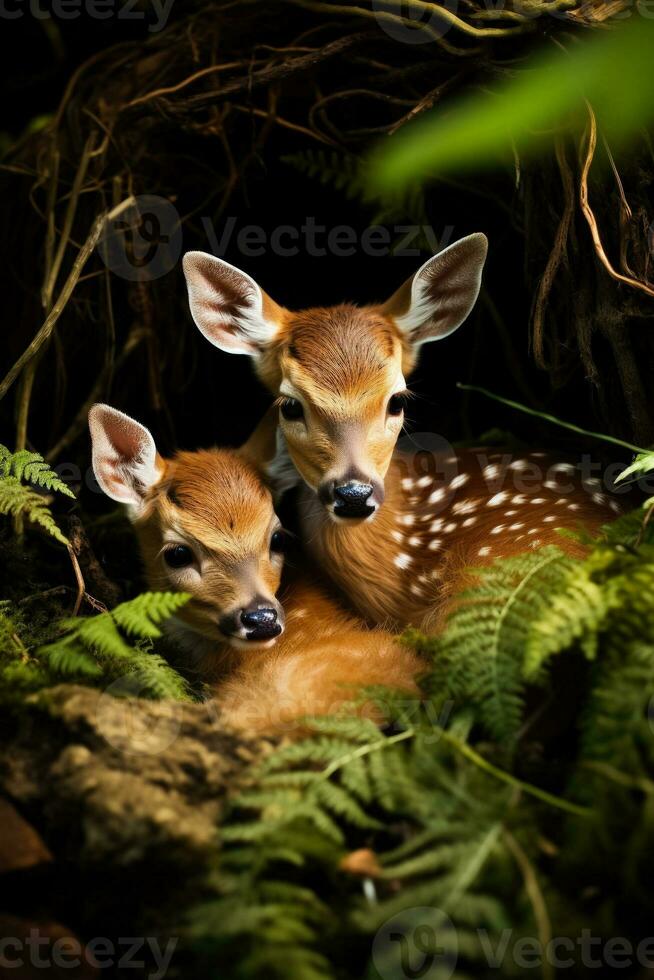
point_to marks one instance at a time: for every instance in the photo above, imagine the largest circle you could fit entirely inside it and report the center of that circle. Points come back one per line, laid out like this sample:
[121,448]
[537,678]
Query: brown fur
[386,566]
[216,500]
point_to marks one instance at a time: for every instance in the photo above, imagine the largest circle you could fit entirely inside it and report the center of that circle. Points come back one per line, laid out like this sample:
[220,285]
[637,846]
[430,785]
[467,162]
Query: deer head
[339,372]
[206,526]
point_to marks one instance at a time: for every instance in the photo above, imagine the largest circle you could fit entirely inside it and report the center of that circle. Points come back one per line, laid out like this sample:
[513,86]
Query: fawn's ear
[439,297]
[125,459]
[228,307]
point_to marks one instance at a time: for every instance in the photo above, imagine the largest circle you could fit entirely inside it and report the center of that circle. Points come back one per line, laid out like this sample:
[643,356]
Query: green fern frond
[483,648]
[19,501]
[32,468]
[104,645]
[142,616]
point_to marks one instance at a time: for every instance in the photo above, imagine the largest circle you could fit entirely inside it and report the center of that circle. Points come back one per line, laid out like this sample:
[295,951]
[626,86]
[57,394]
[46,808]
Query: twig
[420,7]
[590,216]
[551,418]
[535,895]
[556,256]
[79,578]
[171,89]
[51,320]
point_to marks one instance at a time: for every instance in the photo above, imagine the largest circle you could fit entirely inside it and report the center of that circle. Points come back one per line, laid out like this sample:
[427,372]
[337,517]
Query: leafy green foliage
[98,650]
[18,500]
[551,92]
[460,805]
[100,646]
[643,463]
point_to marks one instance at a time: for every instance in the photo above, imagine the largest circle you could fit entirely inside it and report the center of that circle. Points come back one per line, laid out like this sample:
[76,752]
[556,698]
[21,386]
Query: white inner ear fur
[444,290]
[227,305]
[125,460]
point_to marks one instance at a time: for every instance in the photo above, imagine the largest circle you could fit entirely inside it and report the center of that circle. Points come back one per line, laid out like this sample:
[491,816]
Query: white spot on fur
[517,464]
[424,481]
[515,527]
[519,498]
[397,536]
[484,551]
[498,499]
[469,521]
[415,541]
[599,498]
[538,500]
[510,513]
[450,527]
[408,520]
[437,496]
[573,506]
[459,481]
[435,544]
[498,529]
[615,506]
[465,507]
[403,560]
[548,520]
[491,471]
[407,484]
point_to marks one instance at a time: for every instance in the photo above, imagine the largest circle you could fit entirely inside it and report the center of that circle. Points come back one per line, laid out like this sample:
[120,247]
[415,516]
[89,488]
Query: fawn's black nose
[260,623]
[351,499]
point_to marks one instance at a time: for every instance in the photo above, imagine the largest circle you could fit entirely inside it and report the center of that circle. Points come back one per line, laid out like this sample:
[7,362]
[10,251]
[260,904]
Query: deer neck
[383,577]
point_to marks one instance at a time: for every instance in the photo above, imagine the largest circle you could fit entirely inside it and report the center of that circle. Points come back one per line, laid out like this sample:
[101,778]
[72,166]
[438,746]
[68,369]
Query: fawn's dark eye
[179,556]
[278,542]
[291,409]
[396,404]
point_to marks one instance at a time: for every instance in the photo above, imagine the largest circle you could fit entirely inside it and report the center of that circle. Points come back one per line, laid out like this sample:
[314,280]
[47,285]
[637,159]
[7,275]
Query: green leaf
[549,92]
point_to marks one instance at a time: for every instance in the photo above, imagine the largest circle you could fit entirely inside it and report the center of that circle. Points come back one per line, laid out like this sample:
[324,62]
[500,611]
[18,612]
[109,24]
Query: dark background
[209,396]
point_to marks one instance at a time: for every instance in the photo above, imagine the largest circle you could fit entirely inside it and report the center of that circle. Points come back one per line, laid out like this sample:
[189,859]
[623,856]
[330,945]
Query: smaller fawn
[206,525]
[395,541]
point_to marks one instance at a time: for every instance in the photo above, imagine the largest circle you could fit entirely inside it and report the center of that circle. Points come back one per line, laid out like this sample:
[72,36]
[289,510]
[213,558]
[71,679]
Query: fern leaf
[18,500]
[142,616]
[32,468]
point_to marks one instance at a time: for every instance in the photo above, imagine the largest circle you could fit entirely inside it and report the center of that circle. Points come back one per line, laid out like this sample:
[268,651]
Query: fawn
[339,374]
[205,524]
